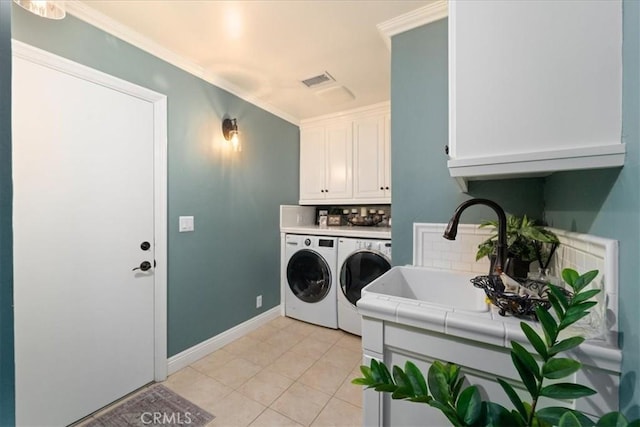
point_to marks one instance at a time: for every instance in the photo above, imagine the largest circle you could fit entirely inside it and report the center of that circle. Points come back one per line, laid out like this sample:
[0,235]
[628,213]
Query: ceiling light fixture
[230,132]
[44,8]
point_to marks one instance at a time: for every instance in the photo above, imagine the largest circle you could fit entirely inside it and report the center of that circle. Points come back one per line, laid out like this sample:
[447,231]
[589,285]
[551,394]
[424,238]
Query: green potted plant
[524,242]
[443,387]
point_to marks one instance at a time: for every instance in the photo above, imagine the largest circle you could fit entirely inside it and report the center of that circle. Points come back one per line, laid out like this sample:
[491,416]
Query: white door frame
[159,101]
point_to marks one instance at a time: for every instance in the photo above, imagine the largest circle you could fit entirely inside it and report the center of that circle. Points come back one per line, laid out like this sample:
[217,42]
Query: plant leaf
[402,393]
[559,294]
[566,344]
[375,371]
[552,415]
[362,381]
[452,371]
[569,276]
[421,399]
[583,296]
[447,411]
[584,280]
[557,306]
[560,368]
[566,391]
[366,371]
[497,415]
[581,306]
[469,405]
[401,378]
[568,420]
[573,318]
[416,378]
[526,358]
[534,339]
[528,379]
[387,388]
[455,391]
[438,384]
[549,325]
[382,372]
[612,419]
[513,397]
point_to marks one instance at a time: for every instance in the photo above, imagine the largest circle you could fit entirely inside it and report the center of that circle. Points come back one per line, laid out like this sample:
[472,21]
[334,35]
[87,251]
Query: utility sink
[443,288]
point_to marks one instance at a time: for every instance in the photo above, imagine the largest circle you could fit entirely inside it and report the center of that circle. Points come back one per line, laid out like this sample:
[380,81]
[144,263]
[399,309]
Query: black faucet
[501,248]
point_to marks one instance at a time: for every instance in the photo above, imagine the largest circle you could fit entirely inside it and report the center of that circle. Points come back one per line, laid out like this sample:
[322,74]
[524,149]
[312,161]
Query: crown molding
[410,20]
[93,17]
[379,107]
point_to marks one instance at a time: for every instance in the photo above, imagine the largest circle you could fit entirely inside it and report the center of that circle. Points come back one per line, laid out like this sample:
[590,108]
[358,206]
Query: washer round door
[308,276]
[360,269]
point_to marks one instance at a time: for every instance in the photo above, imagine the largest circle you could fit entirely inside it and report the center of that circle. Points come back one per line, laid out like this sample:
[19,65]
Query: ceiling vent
[319,80]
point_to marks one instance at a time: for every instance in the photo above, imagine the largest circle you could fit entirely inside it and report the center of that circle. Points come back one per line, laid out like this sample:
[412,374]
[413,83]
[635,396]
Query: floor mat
[153,407]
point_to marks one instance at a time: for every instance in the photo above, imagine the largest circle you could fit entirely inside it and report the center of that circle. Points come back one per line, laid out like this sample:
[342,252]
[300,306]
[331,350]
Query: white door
[83,170]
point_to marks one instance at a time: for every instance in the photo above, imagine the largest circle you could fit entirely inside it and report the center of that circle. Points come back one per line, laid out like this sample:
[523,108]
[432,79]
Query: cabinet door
[339,160]
[312,164]
[387,156]
[535,86]
[369,158]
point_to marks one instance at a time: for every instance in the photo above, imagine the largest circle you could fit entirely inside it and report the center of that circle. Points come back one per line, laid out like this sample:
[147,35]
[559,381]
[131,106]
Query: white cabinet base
[481,364]
[535,164]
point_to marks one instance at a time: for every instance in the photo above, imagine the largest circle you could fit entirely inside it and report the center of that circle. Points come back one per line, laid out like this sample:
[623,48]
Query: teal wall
[606,203]
[600,202]
[216,272]
[6,236]
[423,190]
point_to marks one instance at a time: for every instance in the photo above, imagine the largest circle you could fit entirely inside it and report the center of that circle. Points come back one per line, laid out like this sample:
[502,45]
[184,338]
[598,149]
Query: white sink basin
[450,289]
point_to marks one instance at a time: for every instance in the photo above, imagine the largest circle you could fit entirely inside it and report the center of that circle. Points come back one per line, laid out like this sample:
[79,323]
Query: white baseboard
[198,351]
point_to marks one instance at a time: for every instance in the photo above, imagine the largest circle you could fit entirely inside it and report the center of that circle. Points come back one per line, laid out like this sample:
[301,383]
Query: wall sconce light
[44,8]
[230,132]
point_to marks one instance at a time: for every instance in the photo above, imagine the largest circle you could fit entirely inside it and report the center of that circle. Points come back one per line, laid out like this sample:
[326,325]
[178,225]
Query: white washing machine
[360,261]
[310,279]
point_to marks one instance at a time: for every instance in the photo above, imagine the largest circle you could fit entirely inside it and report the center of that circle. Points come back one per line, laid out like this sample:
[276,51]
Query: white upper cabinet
[534,87]
[346,158]
[371,158]
[326,155]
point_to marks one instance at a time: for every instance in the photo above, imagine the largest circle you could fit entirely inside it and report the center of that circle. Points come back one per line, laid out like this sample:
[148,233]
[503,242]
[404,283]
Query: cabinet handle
[446,149]
[382,188]
[322,191]
[386,188]
[326,191]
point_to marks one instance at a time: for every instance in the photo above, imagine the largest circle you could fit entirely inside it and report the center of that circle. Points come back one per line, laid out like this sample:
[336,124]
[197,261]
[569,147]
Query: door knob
[144,266]
[145,246]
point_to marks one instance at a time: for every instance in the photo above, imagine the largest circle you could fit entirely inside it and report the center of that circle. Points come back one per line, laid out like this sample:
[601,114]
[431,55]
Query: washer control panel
[382,246]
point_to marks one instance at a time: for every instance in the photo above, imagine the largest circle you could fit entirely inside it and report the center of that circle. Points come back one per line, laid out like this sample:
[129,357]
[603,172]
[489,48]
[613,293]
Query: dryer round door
[308,276]
[358,270]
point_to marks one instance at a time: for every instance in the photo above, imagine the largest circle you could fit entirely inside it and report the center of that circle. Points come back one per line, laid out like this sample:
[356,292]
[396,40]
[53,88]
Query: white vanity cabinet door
[535,86]
[371,158]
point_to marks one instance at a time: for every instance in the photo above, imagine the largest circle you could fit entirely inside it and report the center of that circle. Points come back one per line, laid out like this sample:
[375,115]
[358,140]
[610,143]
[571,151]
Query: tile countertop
[346,231]
[486,327]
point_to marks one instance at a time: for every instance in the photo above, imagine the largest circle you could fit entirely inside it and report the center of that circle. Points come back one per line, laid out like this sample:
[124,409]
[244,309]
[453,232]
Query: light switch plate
[185,224]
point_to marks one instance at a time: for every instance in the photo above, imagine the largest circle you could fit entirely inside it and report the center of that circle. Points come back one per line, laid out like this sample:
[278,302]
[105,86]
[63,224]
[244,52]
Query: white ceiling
[261,50]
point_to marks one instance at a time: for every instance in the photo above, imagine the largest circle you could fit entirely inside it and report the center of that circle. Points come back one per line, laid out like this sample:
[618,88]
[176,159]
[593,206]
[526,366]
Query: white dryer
[310,279]
[360,261]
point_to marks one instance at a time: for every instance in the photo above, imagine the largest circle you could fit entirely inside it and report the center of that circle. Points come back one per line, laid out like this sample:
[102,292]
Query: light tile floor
[285,373]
